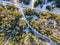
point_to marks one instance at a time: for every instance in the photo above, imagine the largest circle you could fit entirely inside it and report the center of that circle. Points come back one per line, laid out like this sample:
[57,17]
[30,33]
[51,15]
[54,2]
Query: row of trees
[39,25]
[40,14]
[47,15]
[11,10]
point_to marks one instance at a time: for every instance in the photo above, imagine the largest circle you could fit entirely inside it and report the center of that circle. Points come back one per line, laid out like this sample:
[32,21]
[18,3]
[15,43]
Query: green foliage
[29,11]
[48,7]
[58,3]
[11,23]
[27,2]
[37,2]
[43,26]
[40,1]
[50,0]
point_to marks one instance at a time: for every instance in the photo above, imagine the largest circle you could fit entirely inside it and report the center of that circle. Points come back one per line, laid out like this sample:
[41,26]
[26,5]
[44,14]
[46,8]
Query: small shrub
[48,7]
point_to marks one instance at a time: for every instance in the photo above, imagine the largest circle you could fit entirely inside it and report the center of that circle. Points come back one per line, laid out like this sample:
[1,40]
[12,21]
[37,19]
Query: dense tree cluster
[29,11]
[24,39]
[57,3]
[28,39]
[12,24]
[46,23]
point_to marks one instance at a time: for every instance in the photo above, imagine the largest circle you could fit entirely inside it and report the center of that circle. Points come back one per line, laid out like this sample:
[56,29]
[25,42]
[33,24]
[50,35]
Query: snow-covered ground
[21,7]
[56,10]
